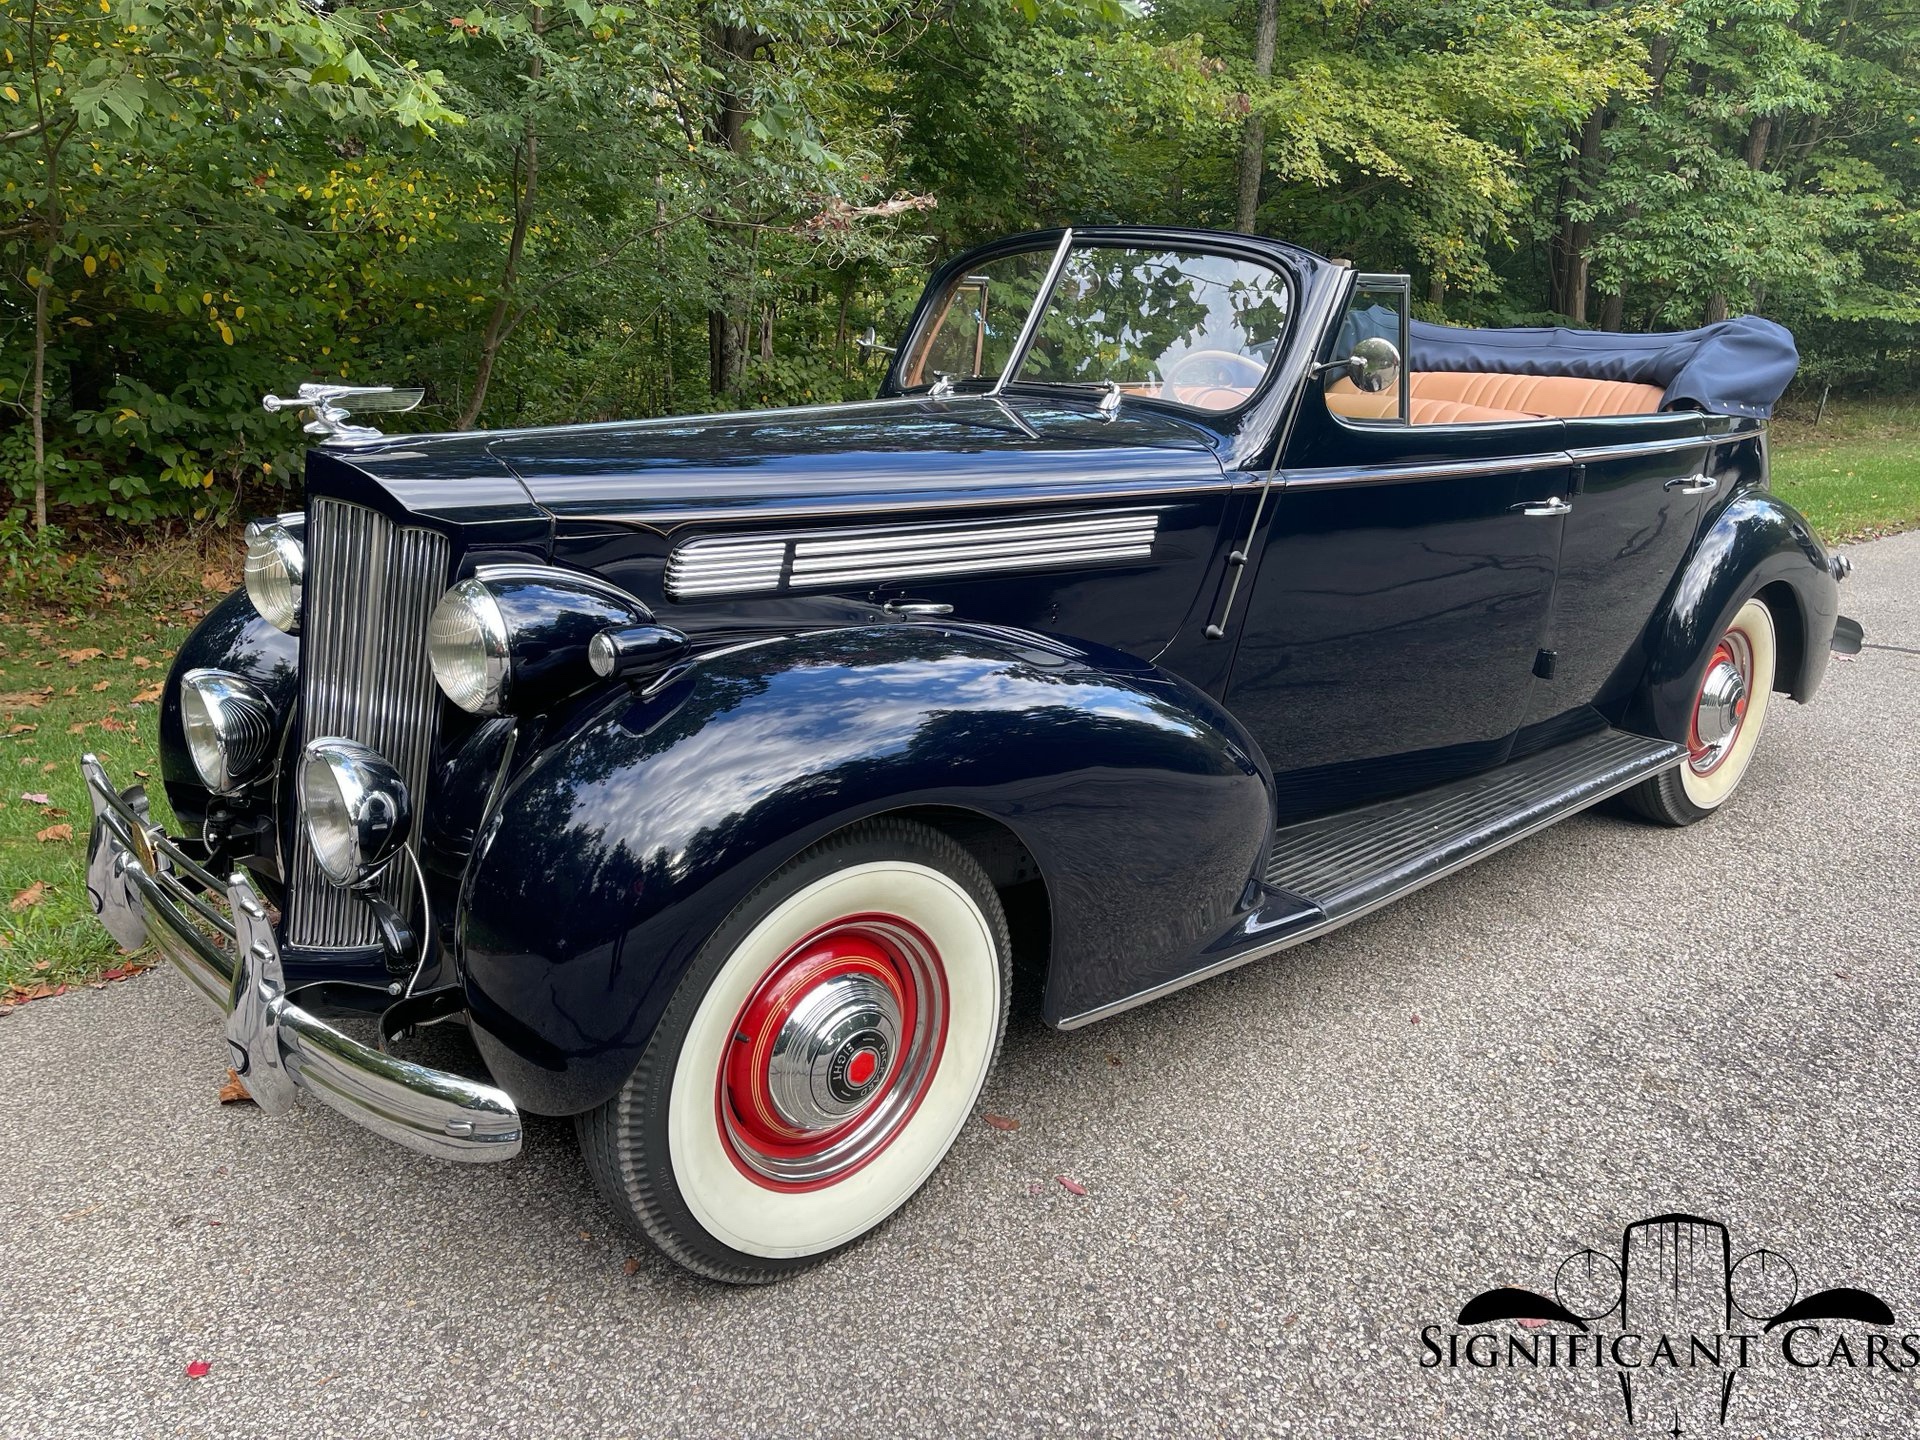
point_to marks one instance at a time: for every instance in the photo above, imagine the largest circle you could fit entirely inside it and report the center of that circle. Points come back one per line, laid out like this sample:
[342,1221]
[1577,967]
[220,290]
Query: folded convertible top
[1735,367]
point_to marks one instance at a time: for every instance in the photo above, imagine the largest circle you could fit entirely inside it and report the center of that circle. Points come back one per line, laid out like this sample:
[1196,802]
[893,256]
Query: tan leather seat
[1343,398]
[1539,395]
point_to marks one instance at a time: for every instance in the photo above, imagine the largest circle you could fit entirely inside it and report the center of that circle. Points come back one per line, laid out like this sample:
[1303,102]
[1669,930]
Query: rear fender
[622,846]
[1755,542]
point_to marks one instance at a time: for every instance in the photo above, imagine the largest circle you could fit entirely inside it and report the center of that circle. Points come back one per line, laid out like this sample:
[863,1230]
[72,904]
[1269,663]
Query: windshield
[974,328]
[1185,326]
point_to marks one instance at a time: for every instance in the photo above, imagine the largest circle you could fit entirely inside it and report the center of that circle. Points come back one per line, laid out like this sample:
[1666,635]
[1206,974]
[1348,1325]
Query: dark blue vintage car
[1178,600]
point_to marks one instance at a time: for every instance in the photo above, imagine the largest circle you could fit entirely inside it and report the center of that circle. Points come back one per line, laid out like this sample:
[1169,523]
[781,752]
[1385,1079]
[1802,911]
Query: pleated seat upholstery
[1560,395]
[1468,397]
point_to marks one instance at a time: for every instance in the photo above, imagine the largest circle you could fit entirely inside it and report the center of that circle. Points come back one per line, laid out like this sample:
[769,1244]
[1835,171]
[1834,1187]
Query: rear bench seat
[1463,397]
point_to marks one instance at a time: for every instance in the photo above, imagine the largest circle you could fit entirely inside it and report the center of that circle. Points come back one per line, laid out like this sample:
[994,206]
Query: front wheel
[817,1061]
[1729,712]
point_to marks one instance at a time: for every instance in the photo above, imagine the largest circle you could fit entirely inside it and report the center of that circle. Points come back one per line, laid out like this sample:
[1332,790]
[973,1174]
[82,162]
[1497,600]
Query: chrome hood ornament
[332,404]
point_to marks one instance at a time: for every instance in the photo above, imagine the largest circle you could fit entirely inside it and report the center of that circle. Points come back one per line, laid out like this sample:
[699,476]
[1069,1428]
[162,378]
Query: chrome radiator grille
[370,586]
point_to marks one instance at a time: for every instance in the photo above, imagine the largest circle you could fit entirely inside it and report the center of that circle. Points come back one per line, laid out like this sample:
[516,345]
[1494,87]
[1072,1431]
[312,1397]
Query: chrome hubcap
[1722,706]
[833,1052]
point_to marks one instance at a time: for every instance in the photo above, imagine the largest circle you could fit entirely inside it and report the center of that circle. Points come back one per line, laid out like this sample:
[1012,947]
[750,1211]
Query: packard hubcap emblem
[832,1052]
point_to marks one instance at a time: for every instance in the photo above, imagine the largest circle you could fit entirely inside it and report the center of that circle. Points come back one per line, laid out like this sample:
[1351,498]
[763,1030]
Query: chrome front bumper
[143,886]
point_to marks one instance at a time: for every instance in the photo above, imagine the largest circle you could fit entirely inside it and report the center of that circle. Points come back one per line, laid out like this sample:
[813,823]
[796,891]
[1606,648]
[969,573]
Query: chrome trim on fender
[278,1049]
[770,564]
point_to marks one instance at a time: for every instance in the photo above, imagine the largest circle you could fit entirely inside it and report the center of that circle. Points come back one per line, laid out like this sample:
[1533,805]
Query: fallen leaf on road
[197,1368]
[29,897]
[54,834]
[1001,1122]
[1414,1021]
[1114,1060]
[77,1214]
[586,1235]
[632,1267]
[234,1092]
[1071,1185]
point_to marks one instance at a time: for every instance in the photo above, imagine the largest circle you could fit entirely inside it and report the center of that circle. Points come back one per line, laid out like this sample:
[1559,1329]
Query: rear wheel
[1729,712]
[817,1061]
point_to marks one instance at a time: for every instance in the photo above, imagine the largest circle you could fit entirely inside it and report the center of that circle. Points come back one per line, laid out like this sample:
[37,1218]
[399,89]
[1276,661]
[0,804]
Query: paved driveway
[1289,1172]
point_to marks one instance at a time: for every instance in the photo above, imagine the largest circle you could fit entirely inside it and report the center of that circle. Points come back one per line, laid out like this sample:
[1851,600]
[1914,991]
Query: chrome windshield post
[1032,323]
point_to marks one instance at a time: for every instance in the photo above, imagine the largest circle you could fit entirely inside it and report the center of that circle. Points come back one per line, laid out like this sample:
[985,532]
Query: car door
[1640,484]
[1404,581]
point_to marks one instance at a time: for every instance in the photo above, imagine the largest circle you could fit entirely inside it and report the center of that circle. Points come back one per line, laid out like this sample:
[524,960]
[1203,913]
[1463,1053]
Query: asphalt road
[1289,1172]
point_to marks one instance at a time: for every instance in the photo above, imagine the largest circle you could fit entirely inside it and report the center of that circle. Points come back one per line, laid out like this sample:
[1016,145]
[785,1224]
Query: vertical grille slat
[371,586]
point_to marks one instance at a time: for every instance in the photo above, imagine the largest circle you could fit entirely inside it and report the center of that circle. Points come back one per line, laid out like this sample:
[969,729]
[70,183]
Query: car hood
[878,457]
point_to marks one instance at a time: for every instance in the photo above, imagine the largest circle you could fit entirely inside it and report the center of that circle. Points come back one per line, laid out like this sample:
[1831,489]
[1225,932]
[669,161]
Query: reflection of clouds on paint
[814,719]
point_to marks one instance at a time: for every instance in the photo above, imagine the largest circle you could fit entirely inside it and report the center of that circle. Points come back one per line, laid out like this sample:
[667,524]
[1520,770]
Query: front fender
[620,848]
[1756,541]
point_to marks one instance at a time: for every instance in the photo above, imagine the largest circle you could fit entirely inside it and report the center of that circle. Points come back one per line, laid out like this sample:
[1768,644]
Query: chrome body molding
[771,564]
[149,888]
[1438,470]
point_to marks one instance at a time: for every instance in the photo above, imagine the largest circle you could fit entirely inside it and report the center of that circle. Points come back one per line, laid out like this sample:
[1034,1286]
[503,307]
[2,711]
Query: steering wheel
[1215,369]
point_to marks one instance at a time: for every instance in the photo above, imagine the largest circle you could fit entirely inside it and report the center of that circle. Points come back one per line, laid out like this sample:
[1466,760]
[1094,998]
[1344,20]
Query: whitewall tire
[1729,712]
[817,1061]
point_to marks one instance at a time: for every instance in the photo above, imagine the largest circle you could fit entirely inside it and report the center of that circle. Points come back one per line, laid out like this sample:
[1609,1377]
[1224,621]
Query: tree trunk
[728,48]
[1253,134]
[1570,246]
[526,166]
[40,396]
[1716,308]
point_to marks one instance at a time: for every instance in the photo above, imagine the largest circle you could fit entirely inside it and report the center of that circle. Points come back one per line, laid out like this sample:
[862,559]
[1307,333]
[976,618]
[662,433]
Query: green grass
[73,680]
[1856,474]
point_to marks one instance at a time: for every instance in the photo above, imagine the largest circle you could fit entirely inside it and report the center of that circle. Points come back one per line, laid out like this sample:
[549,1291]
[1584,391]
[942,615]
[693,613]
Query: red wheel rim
[832,1052]
[1720,705]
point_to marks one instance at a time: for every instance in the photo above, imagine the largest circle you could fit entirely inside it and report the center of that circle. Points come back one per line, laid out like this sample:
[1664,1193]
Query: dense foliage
[572,210]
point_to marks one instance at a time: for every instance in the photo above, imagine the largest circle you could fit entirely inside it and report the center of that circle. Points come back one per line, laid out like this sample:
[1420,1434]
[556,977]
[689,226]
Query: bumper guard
[144,886]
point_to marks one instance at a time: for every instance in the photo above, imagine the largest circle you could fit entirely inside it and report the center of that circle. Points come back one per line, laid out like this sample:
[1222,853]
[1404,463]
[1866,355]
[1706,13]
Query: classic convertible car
[1179,597]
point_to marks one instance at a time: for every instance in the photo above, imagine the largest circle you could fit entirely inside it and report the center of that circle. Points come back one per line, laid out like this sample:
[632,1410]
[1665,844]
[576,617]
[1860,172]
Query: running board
[1324,873]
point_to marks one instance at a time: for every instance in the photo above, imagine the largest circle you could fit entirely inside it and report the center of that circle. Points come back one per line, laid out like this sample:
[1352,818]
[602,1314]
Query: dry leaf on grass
[76,657]
[55,834]
[102,685]
[234,1092]
[141,662]
[147,696]
[29,897]
[35,797]
[22,729]
[23,700]
[78,727]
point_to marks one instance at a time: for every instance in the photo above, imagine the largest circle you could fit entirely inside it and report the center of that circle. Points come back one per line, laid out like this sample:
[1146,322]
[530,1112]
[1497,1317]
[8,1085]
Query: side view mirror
[869,343]
[1374,365]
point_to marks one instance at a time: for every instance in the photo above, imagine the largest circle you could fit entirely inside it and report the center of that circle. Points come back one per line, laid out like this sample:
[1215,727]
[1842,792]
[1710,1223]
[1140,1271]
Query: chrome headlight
[515,637]
[276,570]
[355,807]
[467,645]
[229,727]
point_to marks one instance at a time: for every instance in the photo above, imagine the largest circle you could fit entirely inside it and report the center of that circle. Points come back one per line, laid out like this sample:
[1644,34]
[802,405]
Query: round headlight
[467,647]
[355,806]
[276,569]
[229,727]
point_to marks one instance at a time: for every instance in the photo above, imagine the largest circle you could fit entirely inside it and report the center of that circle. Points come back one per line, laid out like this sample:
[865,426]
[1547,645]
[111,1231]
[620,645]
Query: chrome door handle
[1552,505]
[1693,484]
[917,609]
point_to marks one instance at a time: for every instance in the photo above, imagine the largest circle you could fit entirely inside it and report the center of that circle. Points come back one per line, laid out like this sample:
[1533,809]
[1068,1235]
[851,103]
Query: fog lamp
[355,807]
[229,726]
[276,569]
